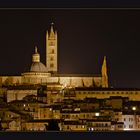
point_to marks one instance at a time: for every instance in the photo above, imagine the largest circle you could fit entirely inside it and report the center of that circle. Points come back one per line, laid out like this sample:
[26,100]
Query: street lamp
[97,114]
[134,109]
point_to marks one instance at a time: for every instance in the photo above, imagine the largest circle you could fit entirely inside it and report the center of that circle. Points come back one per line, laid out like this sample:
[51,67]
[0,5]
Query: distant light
[50,109]
[77,109]
[83,126]
[134,108]
[97,114]
[92,129]
[24,105]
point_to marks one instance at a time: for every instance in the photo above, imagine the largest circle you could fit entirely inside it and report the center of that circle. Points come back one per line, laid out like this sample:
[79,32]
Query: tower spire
[52,33]
[104,67]
[104,73]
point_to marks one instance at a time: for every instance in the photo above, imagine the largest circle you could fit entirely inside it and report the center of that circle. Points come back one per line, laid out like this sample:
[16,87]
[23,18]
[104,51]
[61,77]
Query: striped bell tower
[51,50]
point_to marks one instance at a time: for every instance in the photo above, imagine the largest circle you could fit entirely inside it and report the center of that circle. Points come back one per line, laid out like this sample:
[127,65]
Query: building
[78,102]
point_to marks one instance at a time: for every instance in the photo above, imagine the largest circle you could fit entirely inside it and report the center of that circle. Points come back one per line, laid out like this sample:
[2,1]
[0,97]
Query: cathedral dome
[38,67]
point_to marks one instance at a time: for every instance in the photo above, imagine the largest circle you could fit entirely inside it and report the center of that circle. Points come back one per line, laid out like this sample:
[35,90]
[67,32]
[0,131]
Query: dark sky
[69,3]
[84,37]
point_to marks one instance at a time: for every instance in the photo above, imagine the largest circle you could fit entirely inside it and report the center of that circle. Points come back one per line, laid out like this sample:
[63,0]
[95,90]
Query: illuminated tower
[51,50]
[104,74]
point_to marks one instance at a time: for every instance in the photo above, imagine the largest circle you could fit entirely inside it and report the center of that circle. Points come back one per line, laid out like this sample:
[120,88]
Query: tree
[1,128]
[52,125]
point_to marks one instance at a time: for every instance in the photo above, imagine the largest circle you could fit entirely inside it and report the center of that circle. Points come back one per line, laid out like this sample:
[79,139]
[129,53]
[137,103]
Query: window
[68,127]
[52,50]
[131,126]
[51,58]
[124,119]
[51,43]
[130,119]
[120,126]
[51,65]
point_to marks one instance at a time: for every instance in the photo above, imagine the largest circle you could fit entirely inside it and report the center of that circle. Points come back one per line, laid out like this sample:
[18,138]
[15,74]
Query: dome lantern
[36,56]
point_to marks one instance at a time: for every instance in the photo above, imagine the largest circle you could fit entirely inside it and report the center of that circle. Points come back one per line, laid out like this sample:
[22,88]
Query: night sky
[84,37]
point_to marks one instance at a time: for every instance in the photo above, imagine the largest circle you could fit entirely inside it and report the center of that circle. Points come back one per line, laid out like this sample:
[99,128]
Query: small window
[51,58]
[51,65]
[131,126]
[52,50]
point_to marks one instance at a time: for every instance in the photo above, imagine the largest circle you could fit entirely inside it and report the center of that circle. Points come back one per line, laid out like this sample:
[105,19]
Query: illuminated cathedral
[40,73]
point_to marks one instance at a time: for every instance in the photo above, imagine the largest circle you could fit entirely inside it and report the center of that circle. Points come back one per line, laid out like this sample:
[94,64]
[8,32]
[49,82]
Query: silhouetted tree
[52,126]
[1,128]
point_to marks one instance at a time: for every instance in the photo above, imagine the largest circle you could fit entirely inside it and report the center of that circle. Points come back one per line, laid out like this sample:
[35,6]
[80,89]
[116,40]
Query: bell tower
[51,50]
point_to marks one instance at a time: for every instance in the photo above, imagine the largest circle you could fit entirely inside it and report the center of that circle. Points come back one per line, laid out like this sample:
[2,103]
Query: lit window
[83,126]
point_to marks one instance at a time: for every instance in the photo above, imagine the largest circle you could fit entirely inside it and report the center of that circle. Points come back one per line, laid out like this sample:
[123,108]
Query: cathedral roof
[38,67]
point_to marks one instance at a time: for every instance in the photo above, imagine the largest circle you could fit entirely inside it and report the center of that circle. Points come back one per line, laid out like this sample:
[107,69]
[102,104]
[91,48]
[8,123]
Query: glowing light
[97,114]
[134,108]
[83,126]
